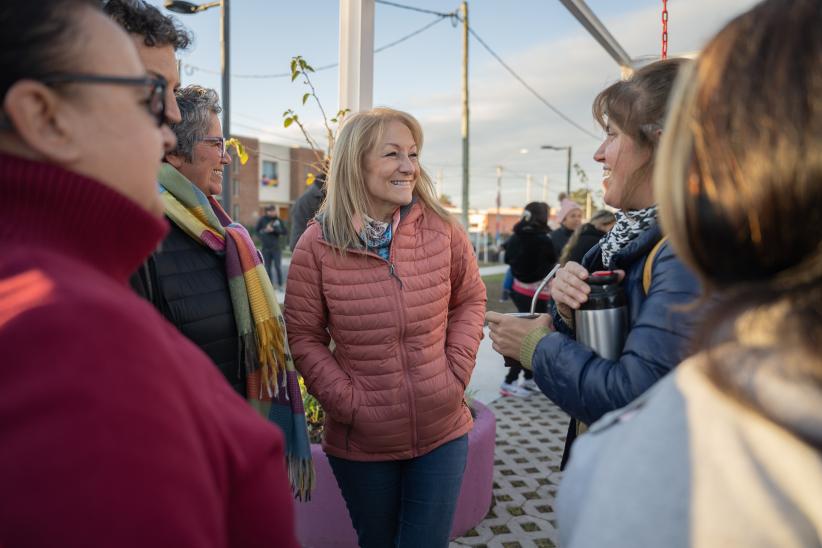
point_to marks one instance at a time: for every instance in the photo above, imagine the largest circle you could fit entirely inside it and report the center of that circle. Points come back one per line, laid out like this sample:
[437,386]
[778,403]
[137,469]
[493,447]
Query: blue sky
[539,39]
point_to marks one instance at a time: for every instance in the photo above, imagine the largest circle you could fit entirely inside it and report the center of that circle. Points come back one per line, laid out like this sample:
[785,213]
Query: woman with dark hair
[108,427]
[727,451]
[530,252]
[656,284]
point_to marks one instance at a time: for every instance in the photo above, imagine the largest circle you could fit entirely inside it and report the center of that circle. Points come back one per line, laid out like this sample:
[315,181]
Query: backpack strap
[647,270]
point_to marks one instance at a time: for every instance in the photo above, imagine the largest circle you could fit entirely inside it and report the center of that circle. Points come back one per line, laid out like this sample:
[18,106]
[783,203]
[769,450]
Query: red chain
[664,29]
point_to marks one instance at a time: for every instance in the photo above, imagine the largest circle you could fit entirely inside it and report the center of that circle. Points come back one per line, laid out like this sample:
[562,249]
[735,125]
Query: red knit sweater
[115,430]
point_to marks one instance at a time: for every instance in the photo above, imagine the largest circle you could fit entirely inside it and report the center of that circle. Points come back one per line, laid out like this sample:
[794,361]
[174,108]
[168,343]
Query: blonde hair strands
[346,193]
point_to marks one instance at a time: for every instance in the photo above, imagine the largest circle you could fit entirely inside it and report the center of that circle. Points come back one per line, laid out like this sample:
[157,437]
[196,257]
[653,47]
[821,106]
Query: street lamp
[568,173]
[189,8]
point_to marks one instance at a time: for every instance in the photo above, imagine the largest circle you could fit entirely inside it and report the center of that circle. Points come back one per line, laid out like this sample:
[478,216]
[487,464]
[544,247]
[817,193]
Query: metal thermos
[602,321]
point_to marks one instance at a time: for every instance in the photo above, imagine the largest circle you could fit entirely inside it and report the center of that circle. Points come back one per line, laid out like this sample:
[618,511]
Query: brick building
[274,174]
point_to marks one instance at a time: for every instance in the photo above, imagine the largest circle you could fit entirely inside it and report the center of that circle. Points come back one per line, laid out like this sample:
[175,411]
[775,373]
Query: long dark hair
[739,180]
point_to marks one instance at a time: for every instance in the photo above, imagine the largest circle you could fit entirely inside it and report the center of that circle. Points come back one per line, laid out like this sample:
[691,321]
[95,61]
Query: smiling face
[205,169]
[391,171]
[621,157]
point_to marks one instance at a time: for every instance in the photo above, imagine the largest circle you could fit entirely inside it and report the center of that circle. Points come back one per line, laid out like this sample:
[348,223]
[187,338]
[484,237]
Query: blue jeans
[273,255]
[407,503]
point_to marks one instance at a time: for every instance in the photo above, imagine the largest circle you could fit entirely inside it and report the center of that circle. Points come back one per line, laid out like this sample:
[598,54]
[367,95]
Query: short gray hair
[196,104]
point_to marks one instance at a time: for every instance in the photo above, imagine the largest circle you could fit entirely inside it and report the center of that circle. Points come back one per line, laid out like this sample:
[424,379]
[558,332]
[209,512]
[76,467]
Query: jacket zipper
[403,359]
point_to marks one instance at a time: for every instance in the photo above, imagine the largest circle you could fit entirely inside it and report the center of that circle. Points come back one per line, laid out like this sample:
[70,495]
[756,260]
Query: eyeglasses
[218,142]
[155,103]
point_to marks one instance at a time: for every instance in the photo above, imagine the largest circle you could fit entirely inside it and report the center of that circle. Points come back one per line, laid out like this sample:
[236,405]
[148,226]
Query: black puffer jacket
[187,283]
[589,236]
[530,252]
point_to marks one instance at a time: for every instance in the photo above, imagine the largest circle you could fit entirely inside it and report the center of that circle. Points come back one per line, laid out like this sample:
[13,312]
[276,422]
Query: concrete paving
[530,438]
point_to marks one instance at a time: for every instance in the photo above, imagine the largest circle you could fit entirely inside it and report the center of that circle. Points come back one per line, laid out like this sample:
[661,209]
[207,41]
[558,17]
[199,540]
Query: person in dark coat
[587,236]
[270,228]
[305,208]
[569,219]
[530,253]
[583,384]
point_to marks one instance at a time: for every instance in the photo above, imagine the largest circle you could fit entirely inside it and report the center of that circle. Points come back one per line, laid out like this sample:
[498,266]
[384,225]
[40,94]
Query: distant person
[530,253]
[271,229]
[656,283]
[389,275]
[569,219]
[115,430]
[727,450]
[587,236]
[305,208]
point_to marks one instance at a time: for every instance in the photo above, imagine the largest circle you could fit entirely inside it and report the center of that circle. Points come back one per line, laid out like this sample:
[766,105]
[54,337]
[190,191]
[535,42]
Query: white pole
[356,54]
[528,189]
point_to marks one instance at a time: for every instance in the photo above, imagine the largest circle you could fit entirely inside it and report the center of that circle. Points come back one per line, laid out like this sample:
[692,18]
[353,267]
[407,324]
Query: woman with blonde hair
[727,451]
[387,275]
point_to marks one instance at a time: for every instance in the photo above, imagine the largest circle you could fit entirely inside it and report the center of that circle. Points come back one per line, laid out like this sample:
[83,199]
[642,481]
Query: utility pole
[545,188]
[499,202]
[465,204]
[528,188]
[225,61]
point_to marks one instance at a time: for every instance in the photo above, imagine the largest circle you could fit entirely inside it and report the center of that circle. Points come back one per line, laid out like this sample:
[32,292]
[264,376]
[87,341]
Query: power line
[414,8]
[190,69]
[528,87]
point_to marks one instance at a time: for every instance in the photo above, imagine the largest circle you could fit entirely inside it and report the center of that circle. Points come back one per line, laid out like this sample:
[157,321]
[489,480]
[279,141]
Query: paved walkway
[530,437]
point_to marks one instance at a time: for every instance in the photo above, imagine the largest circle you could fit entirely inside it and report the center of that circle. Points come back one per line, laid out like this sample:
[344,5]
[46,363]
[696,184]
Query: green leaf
[288,121]
[308,67]
[293,65]
[305,97]
[334,120]
[286,112]
[294,75]
[302,63]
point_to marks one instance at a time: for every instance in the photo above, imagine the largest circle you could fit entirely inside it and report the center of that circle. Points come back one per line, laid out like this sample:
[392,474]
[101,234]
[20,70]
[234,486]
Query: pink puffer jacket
[406,333]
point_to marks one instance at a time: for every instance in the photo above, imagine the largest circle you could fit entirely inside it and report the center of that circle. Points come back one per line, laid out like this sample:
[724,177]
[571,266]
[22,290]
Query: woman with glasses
[109,431]
[205,277]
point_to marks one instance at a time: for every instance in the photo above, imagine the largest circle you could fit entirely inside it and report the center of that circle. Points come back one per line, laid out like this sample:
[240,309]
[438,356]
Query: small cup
[508,362]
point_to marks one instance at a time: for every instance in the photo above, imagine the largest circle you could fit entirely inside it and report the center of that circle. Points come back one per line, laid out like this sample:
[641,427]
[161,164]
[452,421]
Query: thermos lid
[605,291]
[603,277]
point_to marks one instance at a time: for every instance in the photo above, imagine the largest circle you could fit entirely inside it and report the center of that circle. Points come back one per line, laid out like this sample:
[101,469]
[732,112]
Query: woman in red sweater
[391,278]
[108,429]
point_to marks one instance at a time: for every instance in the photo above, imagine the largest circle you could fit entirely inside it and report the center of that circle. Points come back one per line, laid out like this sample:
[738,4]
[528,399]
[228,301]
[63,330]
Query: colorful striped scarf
[263,343]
